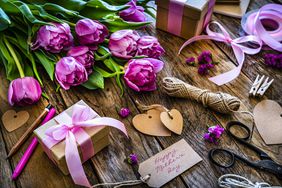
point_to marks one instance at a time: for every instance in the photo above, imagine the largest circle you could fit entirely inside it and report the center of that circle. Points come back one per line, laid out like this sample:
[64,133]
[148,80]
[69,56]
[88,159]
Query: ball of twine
[220,102]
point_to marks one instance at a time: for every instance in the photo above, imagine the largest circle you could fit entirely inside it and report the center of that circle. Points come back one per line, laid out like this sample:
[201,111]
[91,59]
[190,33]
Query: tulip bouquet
[79,42]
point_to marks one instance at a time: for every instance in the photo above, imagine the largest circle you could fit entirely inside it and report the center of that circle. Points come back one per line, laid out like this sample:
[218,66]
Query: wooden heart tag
[173,120]
[268,120]
[13,120]
[150,123]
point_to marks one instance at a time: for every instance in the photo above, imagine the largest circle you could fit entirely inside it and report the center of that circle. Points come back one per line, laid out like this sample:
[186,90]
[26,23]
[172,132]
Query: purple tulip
[54,38]
[123,43]
[83,55]
[149,46]
[69,72]
[90,32]
[140,74]
[134,13]
[24,91]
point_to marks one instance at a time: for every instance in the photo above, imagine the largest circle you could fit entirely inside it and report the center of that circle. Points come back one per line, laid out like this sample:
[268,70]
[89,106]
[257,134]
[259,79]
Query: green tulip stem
[18,64]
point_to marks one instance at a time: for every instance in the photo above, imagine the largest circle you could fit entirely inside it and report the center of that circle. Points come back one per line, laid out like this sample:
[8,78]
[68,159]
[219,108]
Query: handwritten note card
[169,163]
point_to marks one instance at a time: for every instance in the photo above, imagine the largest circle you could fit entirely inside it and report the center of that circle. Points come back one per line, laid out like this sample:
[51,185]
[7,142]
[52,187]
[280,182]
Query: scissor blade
[270,166]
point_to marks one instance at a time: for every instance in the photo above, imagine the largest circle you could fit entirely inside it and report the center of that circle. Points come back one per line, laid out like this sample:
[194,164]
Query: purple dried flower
[273,60]
[205,57]
[203,69]
[214,134]
[190,61]
[132,159]
[124,112]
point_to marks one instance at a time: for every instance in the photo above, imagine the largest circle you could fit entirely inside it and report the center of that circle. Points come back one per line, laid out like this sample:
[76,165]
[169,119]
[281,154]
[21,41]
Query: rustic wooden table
[109,165]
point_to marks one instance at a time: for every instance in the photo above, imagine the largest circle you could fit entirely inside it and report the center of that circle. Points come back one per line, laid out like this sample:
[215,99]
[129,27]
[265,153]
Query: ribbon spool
[266,24]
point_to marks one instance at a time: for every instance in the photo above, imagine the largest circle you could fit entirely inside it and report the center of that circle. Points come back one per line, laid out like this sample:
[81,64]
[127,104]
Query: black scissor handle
[239,124]
[230,155]
[243,140]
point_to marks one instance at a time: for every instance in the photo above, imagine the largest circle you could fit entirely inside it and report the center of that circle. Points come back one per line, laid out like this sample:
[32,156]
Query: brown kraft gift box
[99,137]
[195,14]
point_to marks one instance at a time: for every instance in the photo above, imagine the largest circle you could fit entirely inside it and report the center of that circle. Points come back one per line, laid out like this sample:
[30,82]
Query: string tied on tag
[124,183]
[233,180]
[143,107]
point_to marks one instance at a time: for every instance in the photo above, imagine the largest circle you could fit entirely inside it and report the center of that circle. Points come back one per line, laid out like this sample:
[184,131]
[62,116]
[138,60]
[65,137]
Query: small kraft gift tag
[13,120]
[169,163]
[158,120]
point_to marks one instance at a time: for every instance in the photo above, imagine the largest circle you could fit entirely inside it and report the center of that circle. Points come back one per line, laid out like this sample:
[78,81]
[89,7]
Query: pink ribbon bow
[238,49]
[73,133]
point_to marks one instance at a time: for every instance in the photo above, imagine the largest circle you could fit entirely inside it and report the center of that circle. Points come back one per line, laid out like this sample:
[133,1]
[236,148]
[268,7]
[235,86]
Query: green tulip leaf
[97,9]
[4,20]
[47,63]
[115,23]
[95,81]
[9,63]
[104,73]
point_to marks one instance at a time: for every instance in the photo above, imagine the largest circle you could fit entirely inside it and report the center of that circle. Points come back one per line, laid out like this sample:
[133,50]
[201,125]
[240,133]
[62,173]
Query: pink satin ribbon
[175,14]
[73,132]
[252,24]
[238,49]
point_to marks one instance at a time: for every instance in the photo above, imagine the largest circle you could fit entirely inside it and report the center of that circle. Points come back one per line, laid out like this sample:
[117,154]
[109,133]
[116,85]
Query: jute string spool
[220,102]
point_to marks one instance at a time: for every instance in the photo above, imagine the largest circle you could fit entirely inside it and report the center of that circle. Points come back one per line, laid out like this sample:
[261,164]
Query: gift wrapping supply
[175,15]
[266,24]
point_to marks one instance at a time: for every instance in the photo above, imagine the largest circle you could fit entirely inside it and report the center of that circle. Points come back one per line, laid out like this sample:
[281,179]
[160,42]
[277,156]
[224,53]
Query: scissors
[266,163]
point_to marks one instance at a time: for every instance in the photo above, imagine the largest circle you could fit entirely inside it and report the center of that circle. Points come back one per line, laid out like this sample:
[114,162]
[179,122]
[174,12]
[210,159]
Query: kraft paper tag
[13,120]
[268,120]
[169,163]
[150,123]
[173,120]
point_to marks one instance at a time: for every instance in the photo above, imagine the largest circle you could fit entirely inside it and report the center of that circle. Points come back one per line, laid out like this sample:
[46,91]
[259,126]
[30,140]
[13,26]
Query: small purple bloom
[205,57]
[273,60]
[24,91]
[124,112]
[69,72]
[149,46]
[214,133]
[132,159]
[190,61]
[123,43]
[140,74]
[90,32]
[134,13]
[83,55]
[53,38]
[203,69]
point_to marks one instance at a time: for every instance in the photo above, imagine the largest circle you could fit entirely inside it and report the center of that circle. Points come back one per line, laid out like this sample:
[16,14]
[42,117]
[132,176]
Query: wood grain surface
[109,165]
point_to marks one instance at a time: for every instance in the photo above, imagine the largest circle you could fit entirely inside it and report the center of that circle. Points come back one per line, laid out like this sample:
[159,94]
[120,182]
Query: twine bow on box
[71,129]
[238,48]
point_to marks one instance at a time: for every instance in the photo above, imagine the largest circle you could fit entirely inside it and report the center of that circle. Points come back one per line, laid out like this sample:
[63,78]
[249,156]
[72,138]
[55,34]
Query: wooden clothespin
[258,88]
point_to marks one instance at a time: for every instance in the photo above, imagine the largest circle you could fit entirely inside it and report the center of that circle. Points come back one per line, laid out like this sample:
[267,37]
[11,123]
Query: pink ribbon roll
[238,48]
[266,24]
[72,131]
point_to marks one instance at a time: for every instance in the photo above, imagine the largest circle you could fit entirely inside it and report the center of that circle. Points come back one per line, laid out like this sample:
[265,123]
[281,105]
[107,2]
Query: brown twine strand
[220,102]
